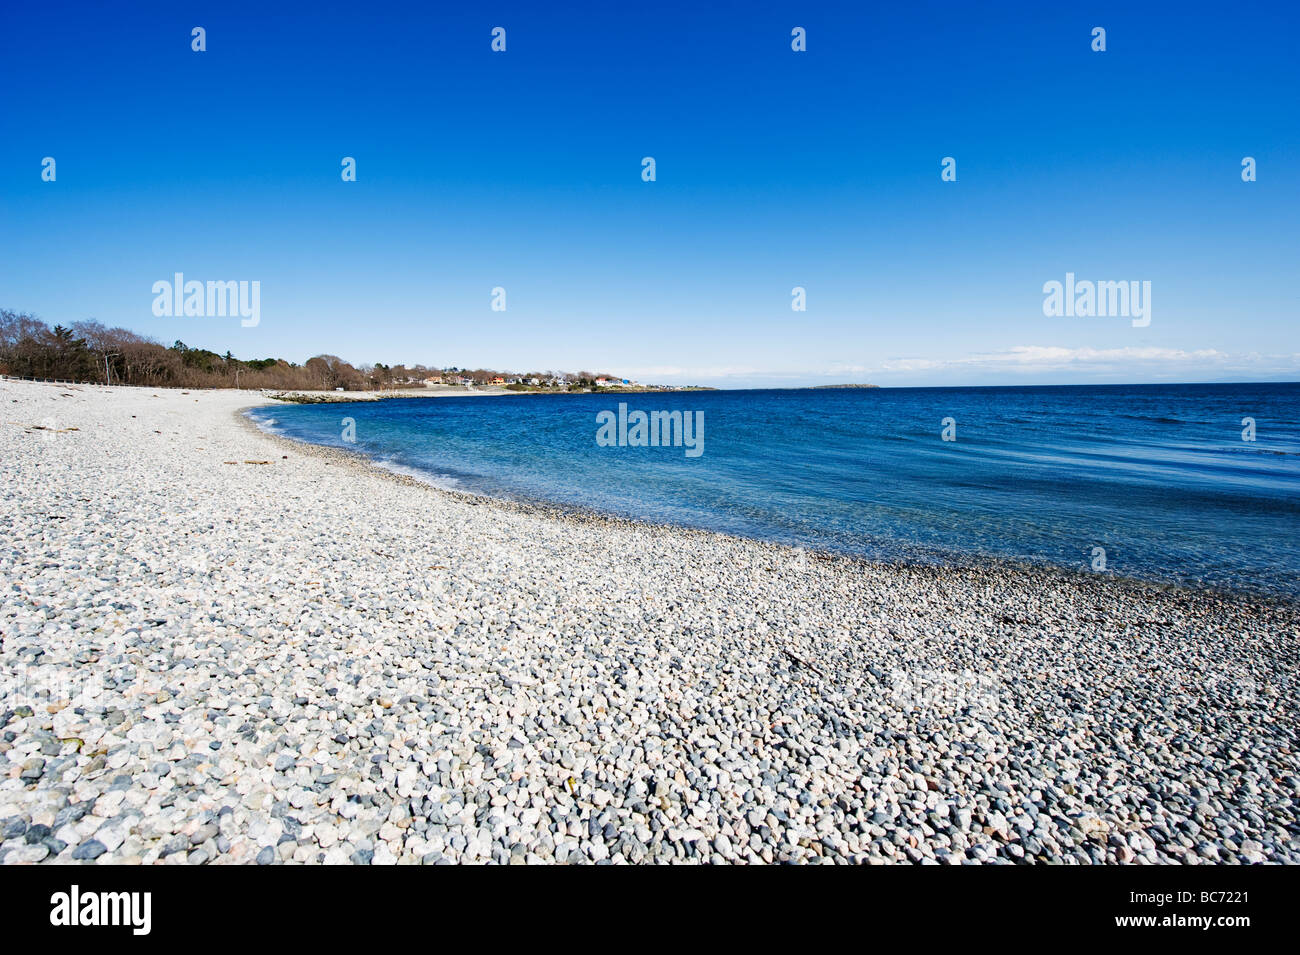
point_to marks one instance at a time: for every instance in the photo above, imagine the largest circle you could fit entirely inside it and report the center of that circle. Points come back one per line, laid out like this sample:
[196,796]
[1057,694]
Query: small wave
[1243,448]
[268,424]
[443,481]
[1157,419]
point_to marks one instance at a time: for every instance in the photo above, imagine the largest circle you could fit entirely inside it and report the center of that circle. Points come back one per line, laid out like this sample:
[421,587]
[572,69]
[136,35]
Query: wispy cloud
[1052,357]
[1050,362]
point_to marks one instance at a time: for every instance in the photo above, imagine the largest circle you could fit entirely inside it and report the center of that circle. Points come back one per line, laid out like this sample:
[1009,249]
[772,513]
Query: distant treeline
[87,351]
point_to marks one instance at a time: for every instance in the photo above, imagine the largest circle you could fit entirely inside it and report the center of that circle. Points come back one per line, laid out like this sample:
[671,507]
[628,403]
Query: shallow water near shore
[1156,476]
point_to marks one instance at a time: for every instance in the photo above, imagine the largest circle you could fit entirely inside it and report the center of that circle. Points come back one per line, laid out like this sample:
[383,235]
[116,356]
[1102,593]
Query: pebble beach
[218,646]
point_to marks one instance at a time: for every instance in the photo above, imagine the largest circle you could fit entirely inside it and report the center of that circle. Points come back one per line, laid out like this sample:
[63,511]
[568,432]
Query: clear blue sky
[775,169]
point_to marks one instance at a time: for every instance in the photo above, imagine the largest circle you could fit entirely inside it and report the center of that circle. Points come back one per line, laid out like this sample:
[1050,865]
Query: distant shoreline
[451,391]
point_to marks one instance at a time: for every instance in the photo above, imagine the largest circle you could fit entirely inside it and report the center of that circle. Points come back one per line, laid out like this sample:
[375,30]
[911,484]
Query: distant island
[846,386]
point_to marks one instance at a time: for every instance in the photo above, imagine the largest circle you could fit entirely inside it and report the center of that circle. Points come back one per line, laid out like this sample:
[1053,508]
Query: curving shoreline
[395,672]
[920,557]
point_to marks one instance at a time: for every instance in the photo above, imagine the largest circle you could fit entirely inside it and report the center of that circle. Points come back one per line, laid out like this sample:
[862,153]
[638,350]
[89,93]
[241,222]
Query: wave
[443,481]
[1157,419]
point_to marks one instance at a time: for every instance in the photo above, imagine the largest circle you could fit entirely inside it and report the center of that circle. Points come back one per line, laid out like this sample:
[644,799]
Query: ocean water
[1157,476]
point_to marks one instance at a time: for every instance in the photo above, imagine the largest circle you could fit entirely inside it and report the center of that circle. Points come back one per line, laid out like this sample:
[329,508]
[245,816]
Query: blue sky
[775,169]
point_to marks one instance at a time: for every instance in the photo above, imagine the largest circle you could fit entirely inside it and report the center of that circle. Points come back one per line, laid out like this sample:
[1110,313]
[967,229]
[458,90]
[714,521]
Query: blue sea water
[1158,476]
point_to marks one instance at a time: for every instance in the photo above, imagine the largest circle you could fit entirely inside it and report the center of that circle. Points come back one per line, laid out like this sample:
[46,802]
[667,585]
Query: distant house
[498,380]
[534,381]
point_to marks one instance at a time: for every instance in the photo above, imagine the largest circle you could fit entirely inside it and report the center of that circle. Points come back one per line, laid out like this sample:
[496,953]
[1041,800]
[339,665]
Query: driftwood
[804,663]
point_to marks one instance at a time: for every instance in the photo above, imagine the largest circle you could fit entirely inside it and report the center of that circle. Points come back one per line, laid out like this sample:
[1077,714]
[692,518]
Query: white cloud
[1135,363]
[1053,357]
